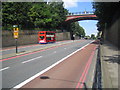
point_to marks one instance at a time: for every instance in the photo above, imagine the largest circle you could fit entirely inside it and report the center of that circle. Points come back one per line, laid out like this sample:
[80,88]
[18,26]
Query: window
[42,37]
[48,38]
[41,33]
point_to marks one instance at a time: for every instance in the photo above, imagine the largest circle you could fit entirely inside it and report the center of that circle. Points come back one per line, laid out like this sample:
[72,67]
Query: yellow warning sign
[15,32]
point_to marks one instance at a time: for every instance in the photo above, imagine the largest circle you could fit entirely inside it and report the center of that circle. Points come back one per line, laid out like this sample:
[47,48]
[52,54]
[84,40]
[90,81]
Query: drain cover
[44,77]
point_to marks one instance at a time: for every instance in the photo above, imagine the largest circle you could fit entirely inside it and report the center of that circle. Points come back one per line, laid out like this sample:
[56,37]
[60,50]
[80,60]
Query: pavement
[109,58]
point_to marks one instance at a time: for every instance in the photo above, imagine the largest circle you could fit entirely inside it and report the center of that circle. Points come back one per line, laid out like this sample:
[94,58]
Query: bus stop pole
[16,46]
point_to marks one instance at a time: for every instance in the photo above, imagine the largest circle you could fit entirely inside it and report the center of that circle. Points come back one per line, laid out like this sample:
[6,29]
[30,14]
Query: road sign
[15,32]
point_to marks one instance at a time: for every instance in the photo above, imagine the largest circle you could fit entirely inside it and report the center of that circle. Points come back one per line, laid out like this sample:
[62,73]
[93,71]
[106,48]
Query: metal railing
[80,13]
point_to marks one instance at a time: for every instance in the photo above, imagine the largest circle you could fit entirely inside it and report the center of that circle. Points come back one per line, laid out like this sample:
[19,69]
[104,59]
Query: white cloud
[70,3]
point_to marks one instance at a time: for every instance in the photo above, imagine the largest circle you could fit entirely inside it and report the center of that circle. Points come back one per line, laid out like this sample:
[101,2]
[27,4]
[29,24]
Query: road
[8,52]
[18,70]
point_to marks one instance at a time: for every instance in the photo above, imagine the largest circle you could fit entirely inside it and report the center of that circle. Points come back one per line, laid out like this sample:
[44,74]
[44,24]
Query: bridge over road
[77,16]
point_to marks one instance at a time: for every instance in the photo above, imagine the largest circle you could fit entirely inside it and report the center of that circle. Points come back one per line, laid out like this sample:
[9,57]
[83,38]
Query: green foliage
[31,15]
[15,13]
[87,37]
[58,13]
[105,12]
[75,29]
[78,30]
[39,15]
[93,36]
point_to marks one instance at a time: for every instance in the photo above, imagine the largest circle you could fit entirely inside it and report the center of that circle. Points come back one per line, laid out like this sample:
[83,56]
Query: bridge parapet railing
[80,13]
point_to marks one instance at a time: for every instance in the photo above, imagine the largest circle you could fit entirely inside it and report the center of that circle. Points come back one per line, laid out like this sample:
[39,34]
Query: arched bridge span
[73,17]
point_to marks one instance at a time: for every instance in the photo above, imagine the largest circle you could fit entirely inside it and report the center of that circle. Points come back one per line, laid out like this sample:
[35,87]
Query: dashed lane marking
[54,51]
[31,52]
[32,59]
[4,69]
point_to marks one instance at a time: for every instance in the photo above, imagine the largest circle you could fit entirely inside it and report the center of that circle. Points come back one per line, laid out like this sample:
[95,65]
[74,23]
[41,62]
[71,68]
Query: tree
[75,29]
[31,15]
[15,13]
[78,30]
[40,14]
[105,12]
[93,36]
[58,14]
[48,16]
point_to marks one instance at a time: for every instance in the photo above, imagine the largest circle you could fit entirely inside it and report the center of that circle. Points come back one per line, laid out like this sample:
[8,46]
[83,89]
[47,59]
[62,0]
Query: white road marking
[54,51]
[48,68]
[31,59]
[4,69]
[65,48]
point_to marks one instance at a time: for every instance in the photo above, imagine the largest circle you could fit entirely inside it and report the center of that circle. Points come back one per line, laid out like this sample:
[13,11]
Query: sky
[78,6]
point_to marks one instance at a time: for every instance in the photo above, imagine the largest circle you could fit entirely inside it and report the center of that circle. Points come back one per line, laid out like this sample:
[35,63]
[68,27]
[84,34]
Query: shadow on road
[46,77]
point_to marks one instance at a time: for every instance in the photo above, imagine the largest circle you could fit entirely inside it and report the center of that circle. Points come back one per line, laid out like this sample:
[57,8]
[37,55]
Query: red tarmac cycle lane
[68,74]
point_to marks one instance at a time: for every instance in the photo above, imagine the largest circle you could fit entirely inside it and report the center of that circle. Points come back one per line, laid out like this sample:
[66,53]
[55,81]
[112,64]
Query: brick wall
[28,37]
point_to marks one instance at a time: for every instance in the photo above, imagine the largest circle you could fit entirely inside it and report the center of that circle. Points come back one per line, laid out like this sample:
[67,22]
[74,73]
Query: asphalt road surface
[21,67]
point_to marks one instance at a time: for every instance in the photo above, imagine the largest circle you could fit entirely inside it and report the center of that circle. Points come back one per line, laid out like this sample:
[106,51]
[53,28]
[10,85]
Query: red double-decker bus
[46,37]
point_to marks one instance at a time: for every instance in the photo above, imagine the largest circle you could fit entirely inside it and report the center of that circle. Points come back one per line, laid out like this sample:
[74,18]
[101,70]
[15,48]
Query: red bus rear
[46,37]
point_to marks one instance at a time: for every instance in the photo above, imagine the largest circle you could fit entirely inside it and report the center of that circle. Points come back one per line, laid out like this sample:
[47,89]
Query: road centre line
[48,68]
[45,48]
[4,69]
[27,46]
[32,59]
[30,53]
